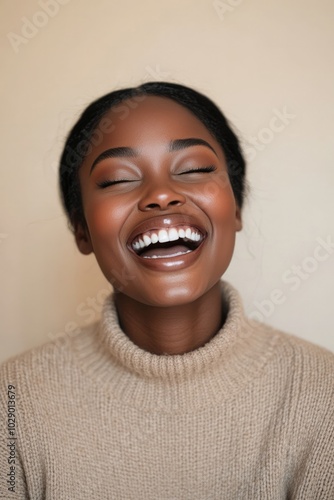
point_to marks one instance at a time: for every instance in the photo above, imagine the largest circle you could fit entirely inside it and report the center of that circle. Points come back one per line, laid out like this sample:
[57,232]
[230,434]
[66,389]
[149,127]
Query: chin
[173,294]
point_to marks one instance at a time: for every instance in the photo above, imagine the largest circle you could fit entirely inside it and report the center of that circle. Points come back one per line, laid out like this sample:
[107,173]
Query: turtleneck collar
[233,356]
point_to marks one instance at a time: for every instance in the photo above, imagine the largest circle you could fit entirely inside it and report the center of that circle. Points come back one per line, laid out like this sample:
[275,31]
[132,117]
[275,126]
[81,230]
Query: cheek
[104,235]
[105,218]
[220,207]
[99,223]
[105,224]
[217,200]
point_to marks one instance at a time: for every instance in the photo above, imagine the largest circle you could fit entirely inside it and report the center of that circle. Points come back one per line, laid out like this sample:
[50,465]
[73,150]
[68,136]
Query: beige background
[257,59]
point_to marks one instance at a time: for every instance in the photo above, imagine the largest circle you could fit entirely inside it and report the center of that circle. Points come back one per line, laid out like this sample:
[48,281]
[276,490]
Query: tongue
[165,252]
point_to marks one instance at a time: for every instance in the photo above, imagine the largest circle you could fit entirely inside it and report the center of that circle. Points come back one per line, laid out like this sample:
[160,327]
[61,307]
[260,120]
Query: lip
[163,222]
[171,263]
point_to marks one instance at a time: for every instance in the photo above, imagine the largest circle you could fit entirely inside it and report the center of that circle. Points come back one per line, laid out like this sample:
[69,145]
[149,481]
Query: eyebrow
[175,145]
[187,143]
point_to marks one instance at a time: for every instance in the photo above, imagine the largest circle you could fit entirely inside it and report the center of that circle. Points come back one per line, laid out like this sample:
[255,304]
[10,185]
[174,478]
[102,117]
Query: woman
[174,394]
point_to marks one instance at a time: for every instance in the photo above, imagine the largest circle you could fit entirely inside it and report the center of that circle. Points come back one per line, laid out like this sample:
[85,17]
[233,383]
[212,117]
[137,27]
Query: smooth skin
[170,305]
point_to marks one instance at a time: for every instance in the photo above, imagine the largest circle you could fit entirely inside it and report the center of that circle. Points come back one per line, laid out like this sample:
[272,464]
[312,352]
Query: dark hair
[79,140]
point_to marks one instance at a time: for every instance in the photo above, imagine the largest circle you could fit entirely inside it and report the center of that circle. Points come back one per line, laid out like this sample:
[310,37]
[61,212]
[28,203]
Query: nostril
[153,205]
[161,199]
[163,205]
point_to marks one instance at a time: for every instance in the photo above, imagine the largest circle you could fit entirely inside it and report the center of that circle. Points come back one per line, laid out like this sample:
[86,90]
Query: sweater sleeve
[315,475]
[313,432]
[12,478]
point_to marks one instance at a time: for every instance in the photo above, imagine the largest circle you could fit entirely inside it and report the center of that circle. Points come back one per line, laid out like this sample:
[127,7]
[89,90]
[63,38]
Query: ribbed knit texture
[250,415]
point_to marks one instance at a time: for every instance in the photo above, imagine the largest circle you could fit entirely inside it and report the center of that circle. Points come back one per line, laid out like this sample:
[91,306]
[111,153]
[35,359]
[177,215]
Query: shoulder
[40,366]
[306,357]
[306,370]
[286,354]
[307,403]
[291,345]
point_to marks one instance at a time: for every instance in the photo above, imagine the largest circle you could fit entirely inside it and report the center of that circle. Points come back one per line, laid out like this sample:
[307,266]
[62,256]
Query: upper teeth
[165,235]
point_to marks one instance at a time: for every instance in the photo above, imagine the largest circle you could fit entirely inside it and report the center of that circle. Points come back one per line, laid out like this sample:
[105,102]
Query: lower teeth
[165,256]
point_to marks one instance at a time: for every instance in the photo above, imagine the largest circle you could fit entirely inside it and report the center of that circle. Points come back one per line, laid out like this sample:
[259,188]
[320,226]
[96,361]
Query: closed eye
[210,168]
[107,183]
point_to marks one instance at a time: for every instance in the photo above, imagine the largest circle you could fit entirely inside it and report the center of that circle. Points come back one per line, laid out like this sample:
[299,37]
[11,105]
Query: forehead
[151,120]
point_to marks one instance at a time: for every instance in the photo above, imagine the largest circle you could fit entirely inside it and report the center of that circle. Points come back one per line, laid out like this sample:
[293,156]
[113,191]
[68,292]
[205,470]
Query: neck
[172,330]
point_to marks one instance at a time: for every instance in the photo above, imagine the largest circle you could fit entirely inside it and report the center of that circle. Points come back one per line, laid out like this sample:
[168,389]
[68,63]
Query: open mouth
[167,243]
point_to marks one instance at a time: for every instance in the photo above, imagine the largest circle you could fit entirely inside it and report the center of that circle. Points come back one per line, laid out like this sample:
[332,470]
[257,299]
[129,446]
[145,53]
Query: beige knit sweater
[248,416]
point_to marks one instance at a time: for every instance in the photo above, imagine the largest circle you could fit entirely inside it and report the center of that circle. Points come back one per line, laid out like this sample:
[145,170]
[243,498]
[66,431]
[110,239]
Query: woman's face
[159,207]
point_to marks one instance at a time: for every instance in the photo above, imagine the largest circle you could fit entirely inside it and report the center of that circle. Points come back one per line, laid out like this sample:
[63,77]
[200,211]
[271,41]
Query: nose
[160,196]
